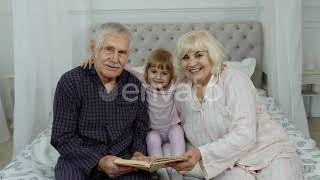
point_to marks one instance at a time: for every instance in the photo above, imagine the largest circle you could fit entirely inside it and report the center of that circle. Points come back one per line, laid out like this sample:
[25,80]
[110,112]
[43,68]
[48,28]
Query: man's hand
[140,156]
[193,157]
[107,165]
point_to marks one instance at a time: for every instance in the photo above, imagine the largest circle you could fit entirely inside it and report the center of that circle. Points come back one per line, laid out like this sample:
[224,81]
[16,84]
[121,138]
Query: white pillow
[246,66]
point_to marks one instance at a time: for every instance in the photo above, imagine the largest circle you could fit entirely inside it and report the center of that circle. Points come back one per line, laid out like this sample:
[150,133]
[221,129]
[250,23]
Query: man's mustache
[112,63]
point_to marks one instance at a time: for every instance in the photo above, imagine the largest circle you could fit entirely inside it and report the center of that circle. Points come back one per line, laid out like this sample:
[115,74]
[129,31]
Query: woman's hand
[87,63]
[193,157]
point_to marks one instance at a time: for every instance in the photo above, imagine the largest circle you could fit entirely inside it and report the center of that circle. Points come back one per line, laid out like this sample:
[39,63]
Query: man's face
[112,56]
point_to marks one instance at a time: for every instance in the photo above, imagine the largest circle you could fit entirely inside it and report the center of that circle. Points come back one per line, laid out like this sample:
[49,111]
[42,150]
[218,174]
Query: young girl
[160,84]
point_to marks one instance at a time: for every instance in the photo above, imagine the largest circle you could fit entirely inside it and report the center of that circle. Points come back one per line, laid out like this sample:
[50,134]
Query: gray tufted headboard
[240,40]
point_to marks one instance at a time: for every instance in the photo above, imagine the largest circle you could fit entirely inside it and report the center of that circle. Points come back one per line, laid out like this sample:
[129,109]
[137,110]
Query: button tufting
[150,49]
[171,38]
[157,38]
[142,38]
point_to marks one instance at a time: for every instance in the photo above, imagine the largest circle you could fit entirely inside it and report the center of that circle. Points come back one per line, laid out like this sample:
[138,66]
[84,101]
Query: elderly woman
[232,134]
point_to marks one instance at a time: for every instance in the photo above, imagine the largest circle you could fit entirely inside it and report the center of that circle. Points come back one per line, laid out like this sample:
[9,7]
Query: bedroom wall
[311,41]
[6,53]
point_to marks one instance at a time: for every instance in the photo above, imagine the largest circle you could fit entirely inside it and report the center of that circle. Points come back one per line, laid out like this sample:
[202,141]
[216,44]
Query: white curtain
[282,21]
[42,52]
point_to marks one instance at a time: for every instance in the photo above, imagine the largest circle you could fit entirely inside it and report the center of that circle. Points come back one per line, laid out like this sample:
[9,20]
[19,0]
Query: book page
[165,160]
[151,166]
[160,162]
[132,163]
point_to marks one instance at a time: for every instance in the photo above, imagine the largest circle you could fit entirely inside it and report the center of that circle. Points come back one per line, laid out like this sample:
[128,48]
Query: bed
[241,40]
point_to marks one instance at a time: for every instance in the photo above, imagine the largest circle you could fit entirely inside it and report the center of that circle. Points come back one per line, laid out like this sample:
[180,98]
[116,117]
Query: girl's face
[196,66]
[158,78]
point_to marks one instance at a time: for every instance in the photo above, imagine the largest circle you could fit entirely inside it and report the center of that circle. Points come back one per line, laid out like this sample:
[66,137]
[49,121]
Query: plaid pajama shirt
[90,123]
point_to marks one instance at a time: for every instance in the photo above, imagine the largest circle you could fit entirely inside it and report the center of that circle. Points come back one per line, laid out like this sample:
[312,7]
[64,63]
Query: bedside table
[309,79]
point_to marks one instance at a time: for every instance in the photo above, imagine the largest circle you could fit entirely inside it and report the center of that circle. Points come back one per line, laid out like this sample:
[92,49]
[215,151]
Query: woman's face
[196,66]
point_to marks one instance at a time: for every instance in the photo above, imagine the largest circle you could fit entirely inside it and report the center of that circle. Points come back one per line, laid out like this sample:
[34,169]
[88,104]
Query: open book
[151,166]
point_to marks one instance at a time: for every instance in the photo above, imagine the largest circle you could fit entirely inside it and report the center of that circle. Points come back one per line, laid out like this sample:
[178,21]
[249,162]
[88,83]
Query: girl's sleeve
[226,151]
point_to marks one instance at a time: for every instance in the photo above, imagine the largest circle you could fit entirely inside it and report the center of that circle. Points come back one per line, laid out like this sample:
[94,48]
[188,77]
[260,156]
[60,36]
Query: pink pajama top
[161,105]
[230,127]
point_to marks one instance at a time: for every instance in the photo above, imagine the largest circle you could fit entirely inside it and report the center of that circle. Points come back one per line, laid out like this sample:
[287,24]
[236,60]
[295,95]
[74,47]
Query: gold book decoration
[151,166]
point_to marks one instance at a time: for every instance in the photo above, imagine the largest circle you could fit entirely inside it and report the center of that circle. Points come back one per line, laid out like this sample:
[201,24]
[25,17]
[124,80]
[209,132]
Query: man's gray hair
[99,32]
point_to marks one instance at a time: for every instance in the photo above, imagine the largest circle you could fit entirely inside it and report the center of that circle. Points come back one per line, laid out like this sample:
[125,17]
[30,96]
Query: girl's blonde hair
[200,41]
[162,59]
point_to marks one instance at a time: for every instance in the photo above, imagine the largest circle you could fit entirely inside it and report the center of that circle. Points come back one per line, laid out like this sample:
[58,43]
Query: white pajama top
[230,127]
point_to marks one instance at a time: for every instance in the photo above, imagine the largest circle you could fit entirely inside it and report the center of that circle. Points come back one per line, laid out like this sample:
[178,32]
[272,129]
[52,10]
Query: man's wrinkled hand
[107,165]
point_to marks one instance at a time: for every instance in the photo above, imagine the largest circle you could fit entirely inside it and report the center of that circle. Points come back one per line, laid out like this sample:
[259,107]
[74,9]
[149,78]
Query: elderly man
[100,114]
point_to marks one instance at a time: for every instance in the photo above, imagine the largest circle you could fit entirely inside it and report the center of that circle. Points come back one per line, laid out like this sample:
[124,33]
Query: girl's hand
[193,157]
[87,63]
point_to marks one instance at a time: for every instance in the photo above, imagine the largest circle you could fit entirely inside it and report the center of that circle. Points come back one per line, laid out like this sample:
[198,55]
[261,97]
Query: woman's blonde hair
[162,59]
[199,41]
